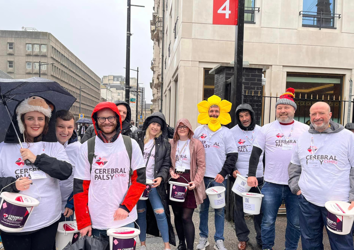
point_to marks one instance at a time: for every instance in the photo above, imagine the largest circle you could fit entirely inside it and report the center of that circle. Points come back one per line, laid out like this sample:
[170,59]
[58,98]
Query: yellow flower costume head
[214,123]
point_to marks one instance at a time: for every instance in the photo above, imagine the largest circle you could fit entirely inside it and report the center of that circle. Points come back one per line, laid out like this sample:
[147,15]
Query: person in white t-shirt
[38,178]
[277,140]
[106,192]
[321,170]
[220,159]
[244,134]
[66,135]
[156,149]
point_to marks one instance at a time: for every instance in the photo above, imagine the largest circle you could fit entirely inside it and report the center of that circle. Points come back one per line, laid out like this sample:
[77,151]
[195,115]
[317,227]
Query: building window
[35,66]
[44,67]
[10,46]
[36,47]
[10,64]
[318,13]
[44,48]
[28,65]
[250,10]
[28,47]
[208,84]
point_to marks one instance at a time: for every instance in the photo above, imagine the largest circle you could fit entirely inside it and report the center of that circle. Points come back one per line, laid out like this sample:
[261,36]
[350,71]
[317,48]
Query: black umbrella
[84,120]
[13,91]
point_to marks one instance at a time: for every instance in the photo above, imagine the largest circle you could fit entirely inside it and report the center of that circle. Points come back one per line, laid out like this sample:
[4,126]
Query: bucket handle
[213,181]
[180,176]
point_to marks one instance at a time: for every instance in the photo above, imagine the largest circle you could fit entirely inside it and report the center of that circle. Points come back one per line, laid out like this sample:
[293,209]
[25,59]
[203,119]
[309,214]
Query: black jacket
[162,167]
[245,107]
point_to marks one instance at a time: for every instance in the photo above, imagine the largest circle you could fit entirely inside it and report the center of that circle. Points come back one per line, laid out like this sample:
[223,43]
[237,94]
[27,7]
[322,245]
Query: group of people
[102,178]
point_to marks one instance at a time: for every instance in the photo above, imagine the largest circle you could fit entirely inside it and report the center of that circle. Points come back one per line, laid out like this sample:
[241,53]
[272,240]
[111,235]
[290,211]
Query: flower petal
[203,118]
[224,118]
[214,100]
[225,106]
[214,124]
[203,107]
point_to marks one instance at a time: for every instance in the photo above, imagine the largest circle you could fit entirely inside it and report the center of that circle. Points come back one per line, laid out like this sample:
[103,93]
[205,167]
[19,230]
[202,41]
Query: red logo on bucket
[19,198]
[241,141]
[5,215]
[67,227]
[20,162]
[280,135]
[101,161]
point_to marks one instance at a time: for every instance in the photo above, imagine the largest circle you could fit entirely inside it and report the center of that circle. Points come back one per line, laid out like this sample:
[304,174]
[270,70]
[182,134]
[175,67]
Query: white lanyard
[291,131]
[183,148]
[313,146]
[180,156]
[250,140]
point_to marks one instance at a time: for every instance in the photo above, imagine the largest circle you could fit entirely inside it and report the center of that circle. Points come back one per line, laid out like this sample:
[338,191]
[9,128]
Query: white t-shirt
[244,141]
[45,190]
[183,156]
[278,141]
[109,180]
[151,164]
[326,161]
[217,145]
[67,186]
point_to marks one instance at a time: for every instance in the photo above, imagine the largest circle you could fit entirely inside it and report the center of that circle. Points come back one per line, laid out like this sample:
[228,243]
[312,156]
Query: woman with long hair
[34,170]
[153,214]
[188,164]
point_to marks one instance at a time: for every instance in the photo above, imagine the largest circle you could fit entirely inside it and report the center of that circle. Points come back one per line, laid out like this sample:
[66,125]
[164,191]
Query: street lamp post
[127,59]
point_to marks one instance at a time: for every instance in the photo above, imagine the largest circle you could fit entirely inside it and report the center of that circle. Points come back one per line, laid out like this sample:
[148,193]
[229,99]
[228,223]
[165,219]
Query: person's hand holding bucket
[23,183]
[120,214]
[86,231]
[219,178]
[252,181]
[174,175]
[351,205]
[234,174]
[191,185]
[68,212]
[157,182]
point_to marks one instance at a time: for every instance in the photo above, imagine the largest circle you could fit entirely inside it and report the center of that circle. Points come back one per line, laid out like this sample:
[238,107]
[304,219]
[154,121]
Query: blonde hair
[147,135]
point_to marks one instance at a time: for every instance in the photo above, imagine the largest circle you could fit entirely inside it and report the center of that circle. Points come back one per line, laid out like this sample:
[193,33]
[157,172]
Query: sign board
[225,12]
[133,100]
[141,117]
[81,116]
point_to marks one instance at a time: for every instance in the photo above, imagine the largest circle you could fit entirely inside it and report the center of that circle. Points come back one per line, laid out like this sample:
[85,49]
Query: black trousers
[242,230]
[42,239]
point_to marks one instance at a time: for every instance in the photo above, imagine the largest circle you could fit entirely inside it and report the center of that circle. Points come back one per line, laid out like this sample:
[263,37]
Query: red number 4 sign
[225,12]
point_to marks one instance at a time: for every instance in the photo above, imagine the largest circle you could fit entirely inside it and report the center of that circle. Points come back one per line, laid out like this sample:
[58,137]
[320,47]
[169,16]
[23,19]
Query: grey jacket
[295,170]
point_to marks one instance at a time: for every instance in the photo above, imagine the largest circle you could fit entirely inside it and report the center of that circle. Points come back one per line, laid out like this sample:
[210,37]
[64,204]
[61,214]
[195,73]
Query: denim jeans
[312,220]
[219,214]
[274,194]
[161,219]
[241,228]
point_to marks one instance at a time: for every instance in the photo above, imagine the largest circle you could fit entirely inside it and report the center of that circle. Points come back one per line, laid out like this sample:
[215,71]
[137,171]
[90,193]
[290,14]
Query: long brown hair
[38,138]
[176,136]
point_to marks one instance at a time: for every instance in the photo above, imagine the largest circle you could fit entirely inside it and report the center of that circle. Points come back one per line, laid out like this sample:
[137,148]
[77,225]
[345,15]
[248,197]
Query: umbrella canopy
[13,91]
[84,120]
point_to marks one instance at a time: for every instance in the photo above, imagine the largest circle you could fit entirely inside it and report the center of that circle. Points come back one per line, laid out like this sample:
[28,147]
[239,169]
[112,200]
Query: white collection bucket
[216,196]
[252,203]
[67,233]
[122,238]
[15,209]
[145,194]
[178,190]
[240,186]
[339,218]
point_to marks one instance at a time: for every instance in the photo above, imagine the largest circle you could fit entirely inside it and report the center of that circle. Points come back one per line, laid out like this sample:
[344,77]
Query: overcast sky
[94,30]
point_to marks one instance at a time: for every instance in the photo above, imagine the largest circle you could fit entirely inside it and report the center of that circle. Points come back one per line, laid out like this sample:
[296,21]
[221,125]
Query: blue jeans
[312,220]
[103,233]
[219,214]
[161,219]
[274,194]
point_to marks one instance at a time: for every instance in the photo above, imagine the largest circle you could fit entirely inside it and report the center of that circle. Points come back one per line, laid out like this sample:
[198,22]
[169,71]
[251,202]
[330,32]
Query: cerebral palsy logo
[203,136]
[241,141]
[20,162]
[280,135]
[101,161]
[312,149]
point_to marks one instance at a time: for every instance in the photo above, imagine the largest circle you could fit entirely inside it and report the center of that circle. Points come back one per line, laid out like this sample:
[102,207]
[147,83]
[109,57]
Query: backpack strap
[128,146]
[91,150]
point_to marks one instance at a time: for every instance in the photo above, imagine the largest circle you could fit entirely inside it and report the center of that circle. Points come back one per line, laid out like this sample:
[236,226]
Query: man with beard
[125,114]
[321,170]
[277,140]
[244,134]
[220,158]
[103,198]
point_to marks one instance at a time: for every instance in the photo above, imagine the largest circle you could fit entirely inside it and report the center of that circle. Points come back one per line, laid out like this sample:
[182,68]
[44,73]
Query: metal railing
[318,19]
[249,14]
[175,28]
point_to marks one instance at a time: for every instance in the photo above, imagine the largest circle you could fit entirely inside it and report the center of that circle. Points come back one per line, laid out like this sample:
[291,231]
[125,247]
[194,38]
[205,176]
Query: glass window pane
[44,48]
[10,64]
[318,13]
[28,65]
[36,47]
[44,67]
[10,45]
[29,47]
[35,65]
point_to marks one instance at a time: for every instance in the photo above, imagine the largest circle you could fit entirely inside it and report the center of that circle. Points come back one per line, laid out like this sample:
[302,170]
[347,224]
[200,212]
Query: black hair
[65,115]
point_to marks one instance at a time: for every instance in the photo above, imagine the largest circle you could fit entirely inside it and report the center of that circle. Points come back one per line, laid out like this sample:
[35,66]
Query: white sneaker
[143,247]
[203,243]
[219,245]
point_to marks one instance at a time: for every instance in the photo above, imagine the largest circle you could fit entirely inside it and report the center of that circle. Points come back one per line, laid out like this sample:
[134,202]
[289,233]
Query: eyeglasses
[103,119]
[182,127]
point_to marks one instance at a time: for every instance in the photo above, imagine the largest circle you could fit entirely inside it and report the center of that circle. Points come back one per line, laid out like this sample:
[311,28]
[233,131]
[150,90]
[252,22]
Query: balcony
[319,19]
